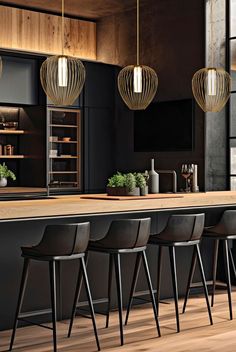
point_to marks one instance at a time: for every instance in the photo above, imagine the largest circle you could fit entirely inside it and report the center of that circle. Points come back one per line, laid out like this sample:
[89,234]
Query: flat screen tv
[165,126]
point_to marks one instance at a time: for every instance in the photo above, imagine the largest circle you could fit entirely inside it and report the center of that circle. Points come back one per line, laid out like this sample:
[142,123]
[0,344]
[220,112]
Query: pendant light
[62,77]
[211,86]
[137,84]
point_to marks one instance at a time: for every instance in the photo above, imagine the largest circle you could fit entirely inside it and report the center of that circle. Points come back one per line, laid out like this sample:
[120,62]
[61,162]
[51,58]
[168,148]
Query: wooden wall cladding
[41,33]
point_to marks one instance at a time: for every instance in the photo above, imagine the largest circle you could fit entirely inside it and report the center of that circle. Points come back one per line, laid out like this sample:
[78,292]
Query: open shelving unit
[64,167]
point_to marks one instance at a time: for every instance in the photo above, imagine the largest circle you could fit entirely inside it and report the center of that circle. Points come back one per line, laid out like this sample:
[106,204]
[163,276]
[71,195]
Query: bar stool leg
[159,270]
[204,283]
[214,270]
[133,285]
[77,295]
[174,283]
[90,301]
[227,272]
[52,271]
[23,283]
[109,288]
[145,263]
[58,290]
[119,294]
[190,278]
[232,262]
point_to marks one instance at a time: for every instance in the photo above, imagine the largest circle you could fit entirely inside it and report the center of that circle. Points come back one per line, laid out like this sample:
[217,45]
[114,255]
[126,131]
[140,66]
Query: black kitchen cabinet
[99,89]
[99,151]
[19,84]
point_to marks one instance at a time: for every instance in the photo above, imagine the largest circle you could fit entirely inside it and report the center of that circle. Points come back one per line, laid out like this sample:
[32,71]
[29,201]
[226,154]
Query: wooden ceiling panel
[91,9]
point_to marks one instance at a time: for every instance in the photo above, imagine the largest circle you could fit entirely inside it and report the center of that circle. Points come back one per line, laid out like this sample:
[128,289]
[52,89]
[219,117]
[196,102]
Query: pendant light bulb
[62,71]
[138,84]
[211,82]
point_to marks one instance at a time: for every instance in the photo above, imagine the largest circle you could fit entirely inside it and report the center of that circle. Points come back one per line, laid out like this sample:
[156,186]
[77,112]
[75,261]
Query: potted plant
[5,173]
[131,186]
[141,183]
[116,185]
[122,185]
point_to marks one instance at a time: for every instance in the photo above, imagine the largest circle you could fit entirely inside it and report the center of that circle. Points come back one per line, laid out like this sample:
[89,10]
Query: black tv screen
[164,126]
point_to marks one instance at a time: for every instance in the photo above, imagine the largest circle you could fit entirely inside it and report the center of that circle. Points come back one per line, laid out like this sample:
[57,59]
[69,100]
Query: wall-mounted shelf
[12,132]
[65,142]
[63,157]
[12,156]
[63,126]
[63,172]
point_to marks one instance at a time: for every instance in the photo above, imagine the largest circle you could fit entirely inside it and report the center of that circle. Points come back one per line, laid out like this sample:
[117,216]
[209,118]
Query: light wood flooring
[140,334]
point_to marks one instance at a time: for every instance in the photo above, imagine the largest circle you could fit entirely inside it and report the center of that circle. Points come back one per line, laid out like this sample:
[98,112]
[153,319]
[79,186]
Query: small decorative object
[8,149]
[211,86]
[53,139]
[141,183]
[153,179]
[5,173]
[10,125]
[137,84]
[66,139]
[53,153]
[187,172]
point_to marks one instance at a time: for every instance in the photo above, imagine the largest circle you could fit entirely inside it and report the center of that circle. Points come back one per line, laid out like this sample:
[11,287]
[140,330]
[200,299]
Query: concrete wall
[216,173]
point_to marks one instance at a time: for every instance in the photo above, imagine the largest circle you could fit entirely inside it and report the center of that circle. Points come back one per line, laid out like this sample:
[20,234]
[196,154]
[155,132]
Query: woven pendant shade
[211,88]
[59,93]
[137,100]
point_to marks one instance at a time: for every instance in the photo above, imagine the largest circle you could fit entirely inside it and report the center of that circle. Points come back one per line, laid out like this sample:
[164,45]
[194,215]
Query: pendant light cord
[62,25]
[211,33]
[138,34]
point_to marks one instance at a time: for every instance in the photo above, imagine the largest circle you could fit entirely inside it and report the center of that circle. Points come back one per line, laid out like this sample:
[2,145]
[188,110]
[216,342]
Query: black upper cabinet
[99,85]
[19,83]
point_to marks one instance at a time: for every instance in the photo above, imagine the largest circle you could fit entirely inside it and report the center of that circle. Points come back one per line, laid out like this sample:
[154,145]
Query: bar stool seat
[59,243]
[181,231]
[224,231]
[123,237]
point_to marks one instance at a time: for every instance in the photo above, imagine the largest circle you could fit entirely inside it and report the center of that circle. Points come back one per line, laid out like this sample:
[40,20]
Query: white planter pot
[3,182]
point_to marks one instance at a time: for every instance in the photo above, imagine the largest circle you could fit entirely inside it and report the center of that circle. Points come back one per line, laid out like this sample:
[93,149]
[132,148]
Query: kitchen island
[23,222]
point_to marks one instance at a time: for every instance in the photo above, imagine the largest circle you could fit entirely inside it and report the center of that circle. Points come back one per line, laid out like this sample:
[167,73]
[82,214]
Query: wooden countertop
[72,205]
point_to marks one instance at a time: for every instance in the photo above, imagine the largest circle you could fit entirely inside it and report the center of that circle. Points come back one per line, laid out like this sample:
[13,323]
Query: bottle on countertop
[153,179]
[195,187]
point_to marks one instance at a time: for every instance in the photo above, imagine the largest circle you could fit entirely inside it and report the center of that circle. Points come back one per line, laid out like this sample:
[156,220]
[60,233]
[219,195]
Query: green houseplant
[130,184]
[122,185]
[5,173]
[141,182]
[116,185]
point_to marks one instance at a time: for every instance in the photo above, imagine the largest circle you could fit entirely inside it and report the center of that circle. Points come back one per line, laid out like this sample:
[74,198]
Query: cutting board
[149,196]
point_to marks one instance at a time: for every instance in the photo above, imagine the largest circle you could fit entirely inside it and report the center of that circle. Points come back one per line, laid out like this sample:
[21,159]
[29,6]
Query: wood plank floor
[140,334]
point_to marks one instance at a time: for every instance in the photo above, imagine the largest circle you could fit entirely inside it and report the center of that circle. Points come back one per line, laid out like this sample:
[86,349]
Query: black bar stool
[224,231]
[180,231]
[123,237]
[59,243]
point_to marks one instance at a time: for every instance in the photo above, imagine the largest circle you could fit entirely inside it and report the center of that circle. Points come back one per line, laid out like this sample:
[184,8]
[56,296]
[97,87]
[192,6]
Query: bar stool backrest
[227,223]
[128,233]
[65,239]
[183,227]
